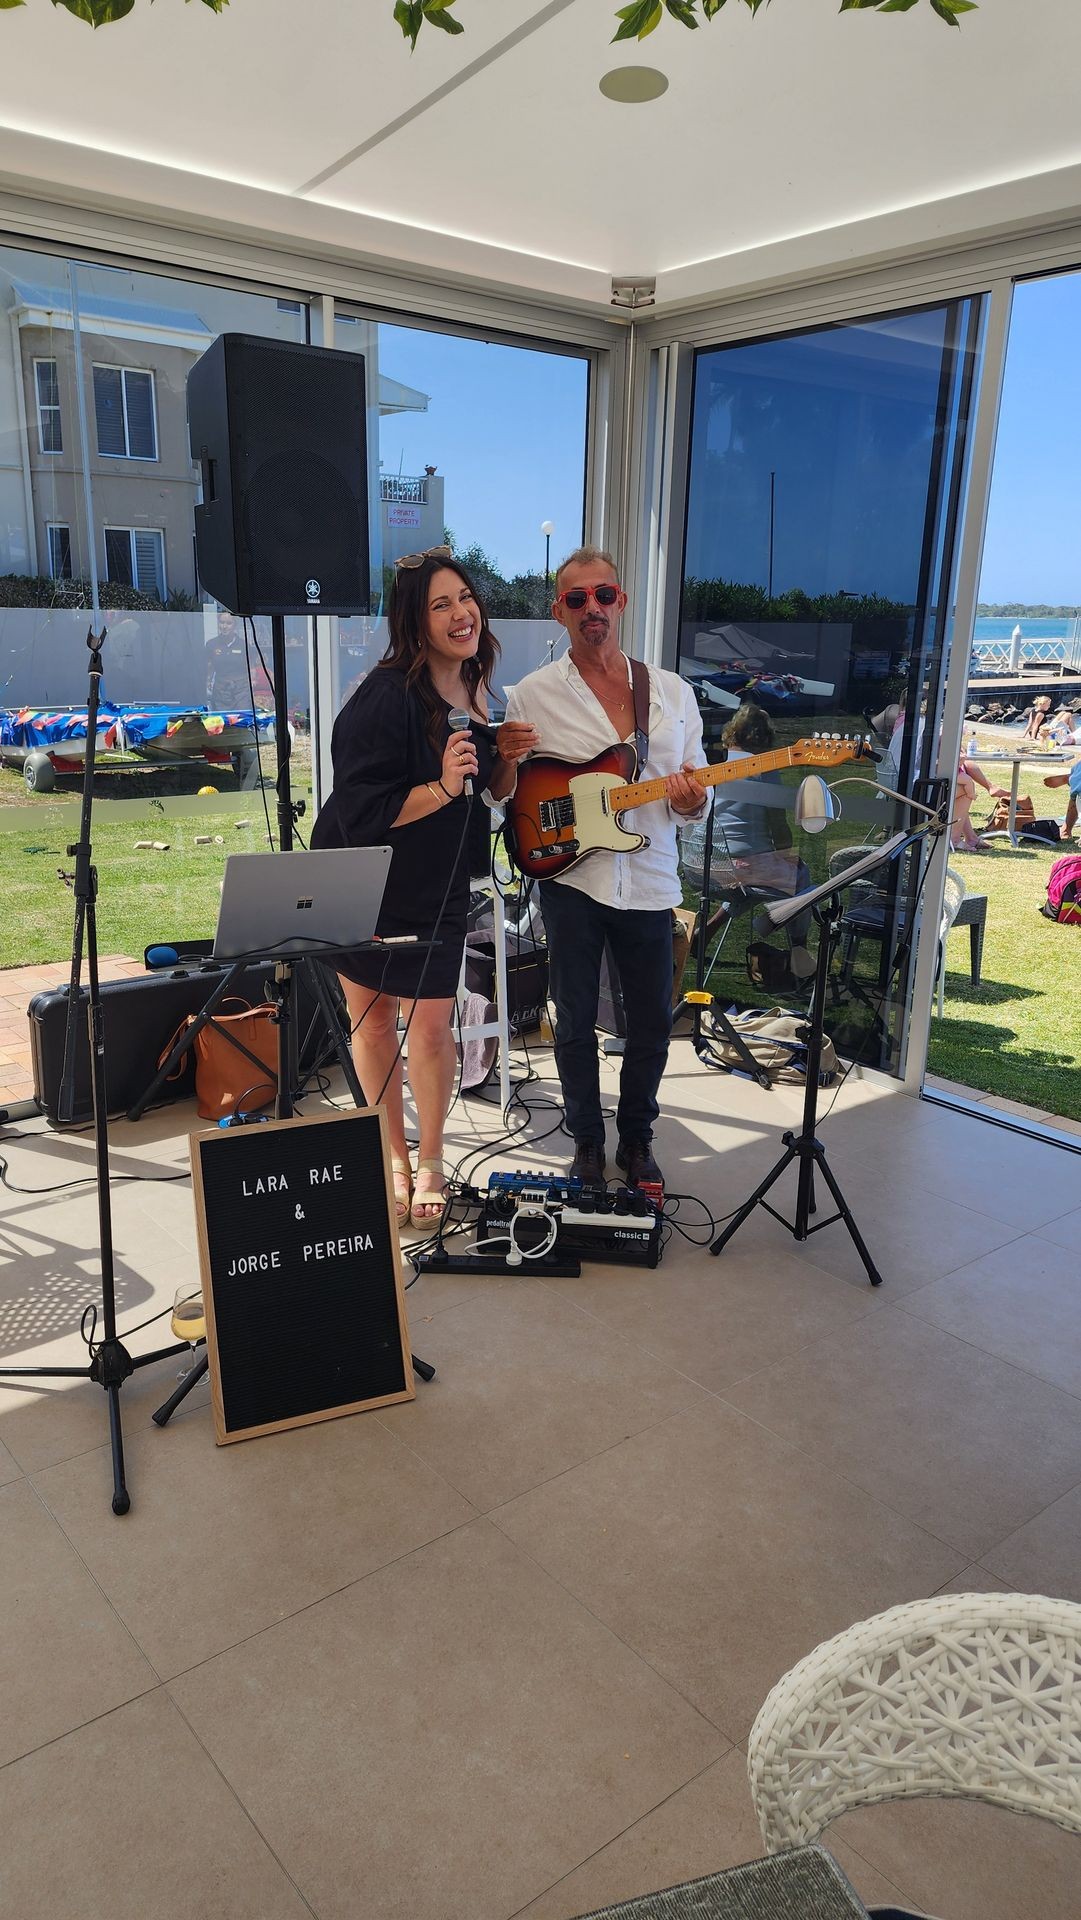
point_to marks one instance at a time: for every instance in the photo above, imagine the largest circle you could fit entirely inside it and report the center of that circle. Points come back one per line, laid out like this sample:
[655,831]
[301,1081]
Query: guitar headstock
[833,750]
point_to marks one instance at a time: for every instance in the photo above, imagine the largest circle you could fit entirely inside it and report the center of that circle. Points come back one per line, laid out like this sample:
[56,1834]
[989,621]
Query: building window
[59,552]
[124,405]
[50,438]
[289,306]
[135,556]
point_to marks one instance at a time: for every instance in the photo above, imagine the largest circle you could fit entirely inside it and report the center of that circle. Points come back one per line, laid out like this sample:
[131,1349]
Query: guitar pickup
[556,814]
[544,853]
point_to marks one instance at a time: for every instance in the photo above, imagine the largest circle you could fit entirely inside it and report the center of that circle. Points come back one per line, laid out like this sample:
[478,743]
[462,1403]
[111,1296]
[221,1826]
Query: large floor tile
[9,1466]
[127,1818]
[962,1443]
[967,1861]
[708,1825]
[721,1554]
[297,1515]
[976,1580]
[448,1737]
[910,1244]
[1015,1178]
[1045,1555]
[1064,1232]
[64,1655]
[1022,1302]
[527,1386]
[718,1320]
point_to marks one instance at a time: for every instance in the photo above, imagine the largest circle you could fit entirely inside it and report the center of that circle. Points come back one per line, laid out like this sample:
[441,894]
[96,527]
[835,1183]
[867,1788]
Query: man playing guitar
[576,707]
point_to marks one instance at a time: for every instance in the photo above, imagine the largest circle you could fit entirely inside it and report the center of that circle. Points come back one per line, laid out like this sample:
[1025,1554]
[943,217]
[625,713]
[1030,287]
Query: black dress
[380,750]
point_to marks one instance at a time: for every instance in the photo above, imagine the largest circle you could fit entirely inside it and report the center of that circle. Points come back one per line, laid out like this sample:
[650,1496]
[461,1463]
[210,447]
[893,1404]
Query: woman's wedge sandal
[403,1188]
[433,1197]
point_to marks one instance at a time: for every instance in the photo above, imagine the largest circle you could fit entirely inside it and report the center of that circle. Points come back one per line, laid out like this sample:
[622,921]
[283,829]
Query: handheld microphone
[460,720]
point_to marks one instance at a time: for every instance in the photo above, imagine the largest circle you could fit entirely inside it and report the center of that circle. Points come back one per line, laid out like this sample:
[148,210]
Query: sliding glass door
[825,478]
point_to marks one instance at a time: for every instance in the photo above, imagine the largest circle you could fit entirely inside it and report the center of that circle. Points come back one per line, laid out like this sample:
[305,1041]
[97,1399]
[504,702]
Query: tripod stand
[825,903]
[110,1362]
[803,1146]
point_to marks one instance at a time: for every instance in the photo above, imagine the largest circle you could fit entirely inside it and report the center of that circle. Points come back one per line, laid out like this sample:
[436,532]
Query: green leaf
[410,17]
[437,16]
[638,20]
[683,11]
[895,6]
[97,13]
[848,5]
[4,4]
[949,9]
[710,7]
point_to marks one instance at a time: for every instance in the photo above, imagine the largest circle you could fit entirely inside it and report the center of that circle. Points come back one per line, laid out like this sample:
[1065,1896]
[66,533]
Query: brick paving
[18,985]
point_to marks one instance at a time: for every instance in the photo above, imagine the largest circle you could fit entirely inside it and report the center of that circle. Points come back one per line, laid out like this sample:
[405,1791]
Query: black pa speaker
[279,433]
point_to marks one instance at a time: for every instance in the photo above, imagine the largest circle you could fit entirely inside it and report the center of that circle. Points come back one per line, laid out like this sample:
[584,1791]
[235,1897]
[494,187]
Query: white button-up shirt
[573,725]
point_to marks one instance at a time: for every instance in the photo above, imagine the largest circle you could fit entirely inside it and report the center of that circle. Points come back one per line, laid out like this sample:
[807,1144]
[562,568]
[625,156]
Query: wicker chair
[973,1694]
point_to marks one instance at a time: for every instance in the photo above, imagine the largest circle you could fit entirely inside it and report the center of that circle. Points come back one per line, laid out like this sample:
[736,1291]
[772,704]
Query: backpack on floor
[1063,902]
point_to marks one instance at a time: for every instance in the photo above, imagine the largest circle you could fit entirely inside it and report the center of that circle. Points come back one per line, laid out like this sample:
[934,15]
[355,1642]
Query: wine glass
[189,1322]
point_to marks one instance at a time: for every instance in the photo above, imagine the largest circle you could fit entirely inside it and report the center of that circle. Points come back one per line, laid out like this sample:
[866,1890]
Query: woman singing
[399,778]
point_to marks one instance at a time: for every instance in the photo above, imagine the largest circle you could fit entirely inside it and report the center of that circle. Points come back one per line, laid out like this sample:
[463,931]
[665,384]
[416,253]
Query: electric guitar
[561,812]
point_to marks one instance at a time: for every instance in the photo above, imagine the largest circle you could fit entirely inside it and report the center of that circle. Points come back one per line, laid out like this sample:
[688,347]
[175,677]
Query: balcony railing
[405,489]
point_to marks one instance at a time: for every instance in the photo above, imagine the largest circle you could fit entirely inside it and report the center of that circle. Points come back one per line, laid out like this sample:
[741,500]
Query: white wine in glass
[189,1320]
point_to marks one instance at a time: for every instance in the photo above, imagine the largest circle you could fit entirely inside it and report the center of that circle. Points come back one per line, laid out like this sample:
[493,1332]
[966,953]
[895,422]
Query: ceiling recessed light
[632,85]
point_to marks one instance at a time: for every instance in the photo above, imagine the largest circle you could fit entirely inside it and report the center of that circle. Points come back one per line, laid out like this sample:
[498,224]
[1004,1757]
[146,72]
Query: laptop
[300,903]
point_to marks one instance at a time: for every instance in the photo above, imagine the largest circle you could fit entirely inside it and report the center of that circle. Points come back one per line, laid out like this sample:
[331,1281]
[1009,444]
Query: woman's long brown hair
[407,617]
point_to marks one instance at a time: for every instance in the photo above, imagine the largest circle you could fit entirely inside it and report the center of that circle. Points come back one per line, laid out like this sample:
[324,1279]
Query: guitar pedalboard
[594,1221]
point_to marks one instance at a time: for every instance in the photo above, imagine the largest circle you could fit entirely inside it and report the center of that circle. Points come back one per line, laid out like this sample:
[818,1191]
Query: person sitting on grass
[1037,717]
[1071,779]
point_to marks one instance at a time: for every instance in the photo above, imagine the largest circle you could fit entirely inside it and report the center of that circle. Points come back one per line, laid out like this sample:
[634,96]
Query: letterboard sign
[302,1278]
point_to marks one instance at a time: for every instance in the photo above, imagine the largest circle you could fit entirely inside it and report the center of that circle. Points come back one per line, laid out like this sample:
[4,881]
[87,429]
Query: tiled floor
[497,1652]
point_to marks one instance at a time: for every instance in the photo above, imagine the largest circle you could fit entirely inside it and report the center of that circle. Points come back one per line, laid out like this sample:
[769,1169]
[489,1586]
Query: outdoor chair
[732,898]
[961,909]
[975,1695]
[866,917]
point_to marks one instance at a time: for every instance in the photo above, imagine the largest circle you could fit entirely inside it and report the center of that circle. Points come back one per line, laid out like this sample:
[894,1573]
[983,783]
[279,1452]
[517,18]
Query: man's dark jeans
[641,942]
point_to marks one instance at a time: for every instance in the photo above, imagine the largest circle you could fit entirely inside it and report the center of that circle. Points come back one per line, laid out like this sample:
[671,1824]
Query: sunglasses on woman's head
[430,553]
[575,597]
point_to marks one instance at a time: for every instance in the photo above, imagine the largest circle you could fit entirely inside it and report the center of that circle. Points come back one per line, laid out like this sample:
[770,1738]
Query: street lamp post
[547,528]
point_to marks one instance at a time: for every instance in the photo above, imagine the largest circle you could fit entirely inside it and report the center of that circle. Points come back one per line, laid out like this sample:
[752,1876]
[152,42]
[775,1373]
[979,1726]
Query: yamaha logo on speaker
[313,590]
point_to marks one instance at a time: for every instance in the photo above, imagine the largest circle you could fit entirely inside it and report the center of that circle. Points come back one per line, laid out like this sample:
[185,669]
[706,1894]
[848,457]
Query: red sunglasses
[575,597]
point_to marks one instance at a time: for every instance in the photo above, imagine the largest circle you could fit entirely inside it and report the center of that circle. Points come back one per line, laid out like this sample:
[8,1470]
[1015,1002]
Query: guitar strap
[640,692]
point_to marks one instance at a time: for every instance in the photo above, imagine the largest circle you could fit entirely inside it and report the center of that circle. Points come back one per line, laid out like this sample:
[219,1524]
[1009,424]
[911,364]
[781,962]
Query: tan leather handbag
[236,1061]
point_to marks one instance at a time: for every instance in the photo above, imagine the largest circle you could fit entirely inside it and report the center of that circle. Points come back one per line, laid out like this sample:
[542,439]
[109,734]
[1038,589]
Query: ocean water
[988,629]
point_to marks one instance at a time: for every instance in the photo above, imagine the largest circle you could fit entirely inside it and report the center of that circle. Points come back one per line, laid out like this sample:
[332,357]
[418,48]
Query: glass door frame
[662,382]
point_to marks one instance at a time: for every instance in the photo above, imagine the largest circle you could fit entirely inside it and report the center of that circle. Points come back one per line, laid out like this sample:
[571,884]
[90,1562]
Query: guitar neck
[641,792]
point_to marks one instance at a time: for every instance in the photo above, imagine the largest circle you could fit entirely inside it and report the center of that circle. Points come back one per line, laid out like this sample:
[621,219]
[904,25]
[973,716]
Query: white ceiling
[793,140]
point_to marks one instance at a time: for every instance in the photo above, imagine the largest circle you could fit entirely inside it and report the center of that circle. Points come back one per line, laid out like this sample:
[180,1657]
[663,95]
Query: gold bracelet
[432,791]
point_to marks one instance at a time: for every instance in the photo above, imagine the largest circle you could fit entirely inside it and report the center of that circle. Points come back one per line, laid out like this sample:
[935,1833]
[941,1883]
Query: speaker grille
[301,517]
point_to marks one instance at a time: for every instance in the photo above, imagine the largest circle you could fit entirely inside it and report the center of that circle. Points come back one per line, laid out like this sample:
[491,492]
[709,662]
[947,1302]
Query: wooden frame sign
[301,1271]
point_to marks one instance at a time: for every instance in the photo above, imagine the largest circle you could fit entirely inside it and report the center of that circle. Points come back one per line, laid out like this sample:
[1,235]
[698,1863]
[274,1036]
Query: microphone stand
[804,1147]
[110,1363]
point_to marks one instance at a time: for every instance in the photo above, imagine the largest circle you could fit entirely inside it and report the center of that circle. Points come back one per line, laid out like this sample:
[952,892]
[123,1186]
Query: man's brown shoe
[588,1163]
[635,1159]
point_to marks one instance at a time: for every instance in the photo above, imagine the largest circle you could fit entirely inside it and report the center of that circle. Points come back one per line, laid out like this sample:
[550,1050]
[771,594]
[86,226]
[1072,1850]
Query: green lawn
[1018,1034]
[144,895]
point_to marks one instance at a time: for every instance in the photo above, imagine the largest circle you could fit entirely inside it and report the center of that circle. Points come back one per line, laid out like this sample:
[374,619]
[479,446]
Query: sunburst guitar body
[562,811]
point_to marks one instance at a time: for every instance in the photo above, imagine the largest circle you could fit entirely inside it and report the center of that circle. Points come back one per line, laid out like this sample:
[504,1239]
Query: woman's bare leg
[432,1061]
[373,1019]
[963,835]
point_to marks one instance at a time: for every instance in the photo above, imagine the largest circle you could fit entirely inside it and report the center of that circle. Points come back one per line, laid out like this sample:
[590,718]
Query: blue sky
[505,427]
[1033,548]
